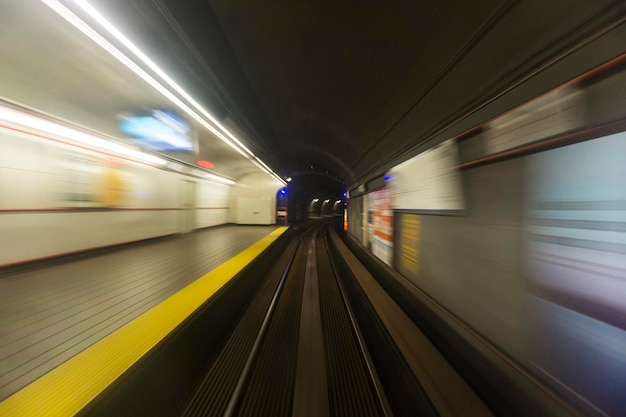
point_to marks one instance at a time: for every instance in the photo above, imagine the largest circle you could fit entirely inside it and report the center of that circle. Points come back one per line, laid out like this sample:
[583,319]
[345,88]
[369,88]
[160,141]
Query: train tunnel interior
[474,149]
[318,91]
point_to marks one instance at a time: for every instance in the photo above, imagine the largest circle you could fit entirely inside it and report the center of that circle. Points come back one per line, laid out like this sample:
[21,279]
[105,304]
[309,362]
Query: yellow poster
[409,244]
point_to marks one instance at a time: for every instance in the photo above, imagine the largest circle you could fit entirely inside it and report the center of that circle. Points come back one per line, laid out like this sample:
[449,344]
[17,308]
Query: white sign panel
[429,181]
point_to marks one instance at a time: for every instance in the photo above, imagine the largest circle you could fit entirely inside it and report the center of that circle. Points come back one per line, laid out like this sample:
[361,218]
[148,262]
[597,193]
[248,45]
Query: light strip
[93,35]
[139,54]
[24,119]
[96,37]
[220,179]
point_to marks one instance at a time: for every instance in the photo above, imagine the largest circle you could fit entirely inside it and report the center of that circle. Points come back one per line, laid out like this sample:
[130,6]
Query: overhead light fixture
[108,26]
[214,126]
[288,179]
[72,136]
[220,179]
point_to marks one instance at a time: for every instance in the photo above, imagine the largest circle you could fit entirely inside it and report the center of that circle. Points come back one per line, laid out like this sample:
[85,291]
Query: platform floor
[50,311]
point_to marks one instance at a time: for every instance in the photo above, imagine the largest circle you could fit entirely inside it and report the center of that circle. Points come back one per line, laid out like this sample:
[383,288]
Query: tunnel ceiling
[345,89]
[329,81]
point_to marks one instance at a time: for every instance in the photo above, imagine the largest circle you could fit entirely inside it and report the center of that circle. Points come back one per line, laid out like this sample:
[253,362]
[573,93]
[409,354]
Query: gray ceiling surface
[344,89]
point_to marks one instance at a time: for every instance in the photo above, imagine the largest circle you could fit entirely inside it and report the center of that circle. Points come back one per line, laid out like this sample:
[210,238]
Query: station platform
[65,323]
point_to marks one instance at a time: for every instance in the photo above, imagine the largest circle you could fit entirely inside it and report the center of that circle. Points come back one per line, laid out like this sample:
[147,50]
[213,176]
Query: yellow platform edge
[65,390]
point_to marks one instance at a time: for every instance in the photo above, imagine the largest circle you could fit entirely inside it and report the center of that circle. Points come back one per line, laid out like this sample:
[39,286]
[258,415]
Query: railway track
[295,335]
[297,350]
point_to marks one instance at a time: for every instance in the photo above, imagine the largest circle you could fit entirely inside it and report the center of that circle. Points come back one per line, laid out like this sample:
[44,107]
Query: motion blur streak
[93,35]
[576,260]
[518,228]
[220,179]
[64,133]
[138,53]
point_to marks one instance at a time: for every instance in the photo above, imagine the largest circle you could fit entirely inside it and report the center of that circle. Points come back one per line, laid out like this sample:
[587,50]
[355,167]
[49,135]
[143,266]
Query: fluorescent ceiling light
[220,179]
[214,127]
[108,26]
[74,136]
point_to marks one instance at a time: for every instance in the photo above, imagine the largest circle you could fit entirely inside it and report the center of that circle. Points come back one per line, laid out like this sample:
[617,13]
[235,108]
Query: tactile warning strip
[69,387]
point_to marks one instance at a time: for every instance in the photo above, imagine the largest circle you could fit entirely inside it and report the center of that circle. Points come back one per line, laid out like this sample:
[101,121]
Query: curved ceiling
[50,66]
[349,87]
[342,90]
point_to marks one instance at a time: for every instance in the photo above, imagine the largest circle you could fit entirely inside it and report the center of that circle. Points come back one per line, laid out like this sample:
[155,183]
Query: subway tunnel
[229,208]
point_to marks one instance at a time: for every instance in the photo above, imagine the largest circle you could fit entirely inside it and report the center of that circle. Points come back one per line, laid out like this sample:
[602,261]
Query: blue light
[283,191]
[387,178]
[345,194]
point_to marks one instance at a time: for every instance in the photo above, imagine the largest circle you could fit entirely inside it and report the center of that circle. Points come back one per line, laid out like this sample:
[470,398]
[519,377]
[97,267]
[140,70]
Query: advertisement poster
[429,182]
[87,179]
[407,260]
[382,245]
